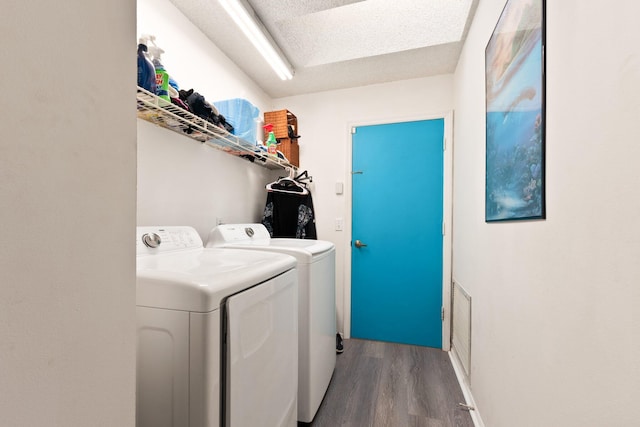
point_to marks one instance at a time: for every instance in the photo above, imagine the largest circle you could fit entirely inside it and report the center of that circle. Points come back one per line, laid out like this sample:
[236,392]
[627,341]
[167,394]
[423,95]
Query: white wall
[67,214]
[556,323]
[325,120]
[180,181]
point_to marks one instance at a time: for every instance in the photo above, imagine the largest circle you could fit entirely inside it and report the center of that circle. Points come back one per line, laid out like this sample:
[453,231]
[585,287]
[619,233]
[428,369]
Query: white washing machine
[217,334]
[316,304]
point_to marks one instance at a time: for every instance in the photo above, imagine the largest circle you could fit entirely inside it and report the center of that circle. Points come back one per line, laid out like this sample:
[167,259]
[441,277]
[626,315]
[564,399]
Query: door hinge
[443,230]
[442,313]
[353,130]
[444,144]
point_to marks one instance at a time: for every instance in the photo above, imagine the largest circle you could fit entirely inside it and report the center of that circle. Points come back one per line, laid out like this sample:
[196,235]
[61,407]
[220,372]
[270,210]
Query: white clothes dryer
[316,304]
[217,334]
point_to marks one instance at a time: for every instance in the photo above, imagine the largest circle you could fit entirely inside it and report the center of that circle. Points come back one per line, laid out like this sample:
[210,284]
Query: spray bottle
[162,77]
[146,70]
[271,140]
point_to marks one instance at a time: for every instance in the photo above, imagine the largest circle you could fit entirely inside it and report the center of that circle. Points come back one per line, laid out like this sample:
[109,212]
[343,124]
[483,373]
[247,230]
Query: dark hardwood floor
[392,385]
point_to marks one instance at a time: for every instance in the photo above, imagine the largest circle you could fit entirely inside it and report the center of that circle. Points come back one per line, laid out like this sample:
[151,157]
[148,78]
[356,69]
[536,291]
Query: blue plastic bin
[242,115]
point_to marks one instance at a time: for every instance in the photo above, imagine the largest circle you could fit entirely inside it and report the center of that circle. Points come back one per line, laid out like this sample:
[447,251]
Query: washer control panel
[154,240]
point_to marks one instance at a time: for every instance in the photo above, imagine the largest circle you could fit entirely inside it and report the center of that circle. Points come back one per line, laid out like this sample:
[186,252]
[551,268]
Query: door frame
[447,217]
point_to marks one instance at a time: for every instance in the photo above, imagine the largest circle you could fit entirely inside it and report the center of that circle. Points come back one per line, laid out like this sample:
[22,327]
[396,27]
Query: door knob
[359,244]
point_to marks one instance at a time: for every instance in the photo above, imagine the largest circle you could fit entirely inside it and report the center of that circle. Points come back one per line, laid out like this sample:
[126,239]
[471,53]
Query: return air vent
[461,340]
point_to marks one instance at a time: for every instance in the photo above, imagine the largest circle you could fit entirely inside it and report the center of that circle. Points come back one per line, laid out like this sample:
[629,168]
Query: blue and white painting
[515,114]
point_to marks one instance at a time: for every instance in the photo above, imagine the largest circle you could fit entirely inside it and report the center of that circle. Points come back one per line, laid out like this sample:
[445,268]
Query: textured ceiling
[335,44]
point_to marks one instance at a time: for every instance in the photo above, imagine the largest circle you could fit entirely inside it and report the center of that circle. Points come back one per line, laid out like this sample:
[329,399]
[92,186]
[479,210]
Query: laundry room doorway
[399,261]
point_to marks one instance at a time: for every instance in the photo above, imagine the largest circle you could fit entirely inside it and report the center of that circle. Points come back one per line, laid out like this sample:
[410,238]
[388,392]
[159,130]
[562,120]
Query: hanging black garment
[290,215]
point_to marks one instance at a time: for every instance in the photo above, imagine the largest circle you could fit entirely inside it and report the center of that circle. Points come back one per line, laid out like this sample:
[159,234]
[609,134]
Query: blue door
[396,246]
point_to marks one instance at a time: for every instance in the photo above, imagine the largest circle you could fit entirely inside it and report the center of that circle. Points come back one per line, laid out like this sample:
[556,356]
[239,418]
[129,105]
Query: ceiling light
[258,35]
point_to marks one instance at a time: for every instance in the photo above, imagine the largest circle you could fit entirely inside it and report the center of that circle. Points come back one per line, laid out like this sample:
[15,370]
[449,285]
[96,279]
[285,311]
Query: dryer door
[261,354]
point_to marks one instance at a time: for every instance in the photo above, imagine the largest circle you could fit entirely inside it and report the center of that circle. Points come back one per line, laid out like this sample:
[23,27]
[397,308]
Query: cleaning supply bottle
[259,130]
[271,140]
[146,70]
[162,76]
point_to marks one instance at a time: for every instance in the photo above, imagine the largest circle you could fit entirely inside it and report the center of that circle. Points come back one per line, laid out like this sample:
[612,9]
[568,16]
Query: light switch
[339,187]
[339,224]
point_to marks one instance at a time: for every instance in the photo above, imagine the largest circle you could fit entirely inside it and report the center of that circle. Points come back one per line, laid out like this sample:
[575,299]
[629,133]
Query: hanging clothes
[289,214]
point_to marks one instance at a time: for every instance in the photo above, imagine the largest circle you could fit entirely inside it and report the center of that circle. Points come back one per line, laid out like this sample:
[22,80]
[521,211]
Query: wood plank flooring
[378,384]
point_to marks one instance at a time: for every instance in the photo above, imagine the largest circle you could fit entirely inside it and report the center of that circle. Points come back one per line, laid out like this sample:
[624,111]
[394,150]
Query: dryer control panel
[238,233]
[156,240]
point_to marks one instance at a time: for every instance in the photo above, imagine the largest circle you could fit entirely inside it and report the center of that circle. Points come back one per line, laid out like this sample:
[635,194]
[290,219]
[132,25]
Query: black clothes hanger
[304,176]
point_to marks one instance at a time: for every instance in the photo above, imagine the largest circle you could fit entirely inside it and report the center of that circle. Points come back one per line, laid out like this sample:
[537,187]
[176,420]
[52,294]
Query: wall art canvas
[515,117]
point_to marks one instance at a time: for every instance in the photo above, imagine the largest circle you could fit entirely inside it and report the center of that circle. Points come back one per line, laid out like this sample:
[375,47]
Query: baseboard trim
[466,389]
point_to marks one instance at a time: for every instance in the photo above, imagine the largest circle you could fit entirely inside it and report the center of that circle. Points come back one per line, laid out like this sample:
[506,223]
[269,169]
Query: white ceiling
[336,44]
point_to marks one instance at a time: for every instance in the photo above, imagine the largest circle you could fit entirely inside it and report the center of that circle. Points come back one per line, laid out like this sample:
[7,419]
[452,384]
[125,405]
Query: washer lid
[199,279]
[314,247]
[256,236]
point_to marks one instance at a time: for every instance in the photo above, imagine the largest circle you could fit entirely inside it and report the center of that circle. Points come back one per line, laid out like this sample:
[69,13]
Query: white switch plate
[339,224]
[339,187]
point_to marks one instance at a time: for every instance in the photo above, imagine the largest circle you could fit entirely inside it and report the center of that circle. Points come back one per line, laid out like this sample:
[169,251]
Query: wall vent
[461,327]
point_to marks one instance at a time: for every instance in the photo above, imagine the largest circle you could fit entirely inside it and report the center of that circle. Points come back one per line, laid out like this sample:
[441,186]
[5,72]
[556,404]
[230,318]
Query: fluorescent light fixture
[255,32]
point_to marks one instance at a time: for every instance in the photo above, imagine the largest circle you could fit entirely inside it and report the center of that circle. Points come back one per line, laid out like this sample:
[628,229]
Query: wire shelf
[163,113]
